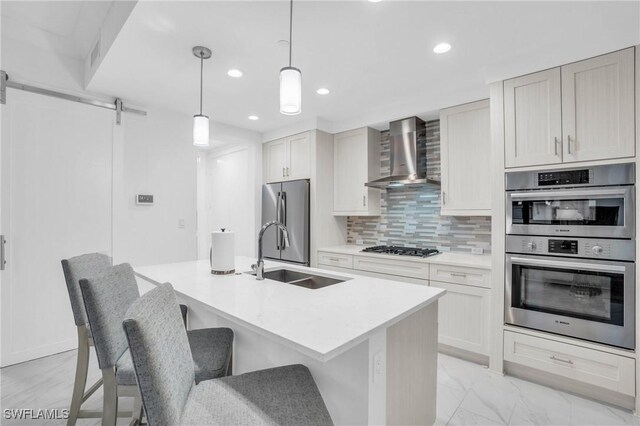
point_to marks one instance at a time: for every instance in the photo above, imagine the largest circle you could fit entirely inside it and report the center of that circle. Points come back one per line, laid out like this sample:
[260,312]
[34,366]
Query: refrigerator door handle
[283,218]
[278,214]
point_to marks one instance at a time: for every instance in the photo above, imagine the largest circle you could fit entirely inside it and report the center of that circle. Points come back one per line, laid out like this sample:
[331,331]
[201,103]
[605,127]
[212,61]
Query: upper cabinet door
[275,160]
[299,150]
[356,160]
[532,112]
[598,107]
[465,143]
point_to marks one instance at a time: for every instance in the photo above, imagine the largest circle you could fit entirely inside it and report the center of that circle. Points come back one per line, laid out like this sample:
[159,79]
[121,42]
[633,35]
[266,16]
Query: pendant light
[290,80]
[200,121]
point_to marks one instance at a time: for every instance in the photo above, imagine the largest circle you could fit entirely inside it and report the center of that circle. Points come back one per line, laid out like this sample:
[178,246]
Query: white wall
[229,182]
[155,156]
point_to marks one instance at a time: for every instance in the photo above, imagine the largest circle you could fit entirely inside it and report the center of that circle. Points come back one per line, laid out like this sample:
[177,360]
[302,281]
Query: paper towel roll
[223,250]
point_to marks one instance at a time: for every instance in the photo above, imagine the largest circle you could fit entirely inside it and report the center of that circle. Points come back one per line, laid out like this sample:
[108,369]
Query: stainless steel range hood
[408,156]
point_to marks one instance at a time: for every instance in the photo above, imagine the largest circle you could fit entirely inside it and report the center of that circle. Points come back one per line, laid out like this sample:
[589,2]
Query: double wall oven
[570,252]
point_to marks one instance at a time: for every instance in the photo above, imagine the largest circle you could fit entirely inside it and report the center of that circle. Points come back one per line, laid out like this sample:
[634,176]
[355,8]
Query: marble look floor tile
[539,405]
[492,397]
[448,400]
[585,412]
[468,418]
[456,373]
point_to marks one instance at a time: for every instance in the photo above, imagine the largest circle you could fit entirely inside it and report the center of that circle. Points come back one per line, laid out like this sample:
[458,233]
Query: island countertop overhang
[320,323]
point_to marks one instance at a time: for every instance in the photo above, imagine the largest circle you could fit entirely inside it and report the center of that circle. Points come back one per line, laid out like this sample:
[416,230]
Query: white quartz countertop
[320,323]
[454,259]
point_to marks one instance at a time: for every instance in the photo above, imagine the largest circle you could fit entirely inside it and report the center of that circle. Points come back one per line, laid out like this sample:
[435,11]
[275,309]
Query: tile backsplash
[410,216]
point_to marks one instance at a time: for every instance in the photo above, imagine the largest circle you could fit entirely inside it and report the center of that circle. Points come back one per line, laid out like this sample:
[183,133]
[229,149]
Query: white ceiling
[376,58]
[66,27]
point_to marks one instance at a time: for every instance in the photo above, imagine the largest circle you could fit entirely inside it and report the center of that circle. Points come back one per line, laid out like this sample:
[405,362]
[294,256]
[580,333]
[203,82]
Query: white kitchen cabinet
[287,158]
[356,161]
[275,160]
[582,111]
[532,119]
[465,144]
[593,367]
[463,317]
[598,107]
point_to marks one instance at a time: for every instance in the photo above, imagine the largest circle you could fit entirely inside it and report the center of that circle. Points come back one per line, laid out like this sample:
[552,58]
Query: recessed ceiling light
[442,48]
[253,117]
[323,91]
[234,73]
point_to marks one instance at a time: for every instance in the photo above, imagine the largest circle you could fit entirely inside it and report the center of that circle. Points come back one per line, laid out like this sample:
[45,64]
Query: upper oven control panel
[565,177]
[605,175]
[592,248]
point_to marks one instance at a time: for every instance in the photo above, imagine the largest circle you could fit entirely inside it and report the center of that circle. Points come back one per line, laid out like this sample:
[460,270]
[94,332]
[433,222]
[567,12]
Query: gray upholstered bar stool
[75,268]
[83,266]
[107,296]
[160,350]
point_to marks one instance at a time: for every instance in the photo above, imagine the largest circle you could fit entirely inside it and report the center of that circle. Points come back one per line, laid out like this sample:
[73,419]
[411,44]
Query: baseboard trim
[463,354]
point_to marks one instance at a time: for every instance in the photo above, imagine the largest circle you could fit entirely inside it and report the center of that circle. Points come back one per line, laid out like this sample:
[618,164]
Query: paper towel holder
[223,270]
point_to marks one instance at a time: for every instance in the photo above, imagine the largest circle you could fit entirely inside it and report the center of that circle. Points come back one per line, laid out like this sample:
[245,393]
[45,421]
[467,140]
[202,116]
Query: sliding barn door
[56,203]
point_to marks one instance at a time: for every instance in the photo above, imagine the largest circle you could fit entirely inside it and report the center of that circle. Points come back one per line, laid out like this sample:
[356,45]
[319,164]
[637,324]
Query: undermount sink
[301,279]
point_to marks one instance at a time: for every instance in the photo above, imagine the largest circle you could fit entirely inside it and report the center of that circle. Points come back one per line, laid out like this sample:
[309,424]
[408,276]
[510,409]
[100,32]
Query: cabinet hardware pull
[283,172]
[566,361]
[444,199]
[333,259]
[569,144]
[364,201]
[3,260]
[287,171]
[455,274]
[555,145]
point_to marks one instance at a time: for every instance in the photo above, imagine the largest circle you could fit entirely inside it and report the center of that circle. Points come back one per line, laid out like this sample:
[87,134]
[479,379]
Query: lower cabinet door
[463,317]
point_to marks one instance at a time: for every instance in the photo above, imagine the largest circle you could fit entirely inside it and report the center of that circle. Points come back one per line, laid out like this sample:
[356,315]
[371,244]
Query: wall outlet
[477,250]
[360,242]
[378,366]
[181,222]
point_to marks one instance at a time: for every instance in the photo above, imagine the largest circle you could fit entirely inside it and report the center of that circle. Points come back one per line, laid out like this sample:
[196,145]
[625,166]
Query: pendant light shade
[200,131]
[290,91]
[200,121]
[290,79]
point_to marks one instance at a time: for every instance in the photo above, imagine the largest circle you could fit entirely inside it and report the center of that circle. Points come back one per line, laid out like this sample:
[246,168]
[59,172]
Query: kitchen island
[371,344]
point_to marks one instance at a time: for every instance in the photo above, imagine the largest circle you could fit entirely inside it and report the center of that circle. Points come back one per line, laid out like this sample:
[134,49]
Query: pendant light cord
[201,69]
[290,30]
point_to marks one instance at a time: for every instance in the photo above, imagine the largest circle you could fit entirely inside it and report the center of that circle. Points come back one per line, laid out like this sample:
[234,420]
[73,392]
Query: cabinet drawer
[590,366]
[401,268]
[335,259]
[460,275]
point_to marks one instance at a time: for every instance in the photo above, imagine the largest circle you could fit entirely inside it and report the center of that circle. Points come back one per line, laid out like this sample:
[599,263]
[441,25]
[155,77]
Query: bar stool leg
[110,397]
[82,367]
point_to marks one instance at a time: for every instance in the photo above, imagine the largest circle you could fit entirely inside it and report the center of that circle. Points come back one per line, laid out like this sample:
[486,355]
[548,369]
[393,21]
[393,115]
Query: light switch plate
[145,200]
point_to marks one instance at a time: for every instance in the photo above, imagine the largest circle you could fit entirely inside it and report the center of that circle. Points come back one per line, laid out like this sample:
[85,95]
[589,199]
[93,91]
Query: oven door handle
[568,265]
[569,194]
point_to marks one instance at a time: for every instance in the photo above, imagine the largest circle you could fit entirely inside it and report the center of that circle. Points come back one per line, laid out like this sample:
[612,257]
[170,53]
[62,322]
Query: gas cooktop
[402,251]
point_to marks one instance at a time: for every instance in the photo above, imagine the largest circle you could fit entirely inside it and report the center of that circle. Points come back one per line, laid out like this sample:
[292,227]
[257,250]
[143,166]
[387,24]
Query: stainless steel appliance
[402,251]
[408,155]
[287,203]
[577,287]
[597,201]
[570,252]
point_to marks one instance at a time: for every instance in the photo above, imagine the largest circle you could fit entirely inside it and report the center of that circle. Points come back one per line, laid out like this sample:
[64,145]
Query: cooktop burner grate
[402,251]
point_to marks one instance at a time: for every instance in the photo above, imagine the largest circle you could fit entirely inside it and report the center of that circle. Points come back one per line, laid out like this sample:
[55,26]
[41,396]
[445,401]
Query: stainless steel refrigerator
[286,202]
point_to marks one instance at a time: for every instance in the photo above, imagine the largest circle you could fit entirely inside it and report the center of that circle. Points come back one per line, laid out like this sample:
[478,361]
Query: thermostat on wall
[146,200]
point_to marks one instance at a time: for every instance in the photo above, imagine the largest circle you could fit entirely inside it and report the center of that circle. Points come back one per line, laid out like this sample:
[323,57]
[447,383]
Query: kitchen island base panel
[389,378]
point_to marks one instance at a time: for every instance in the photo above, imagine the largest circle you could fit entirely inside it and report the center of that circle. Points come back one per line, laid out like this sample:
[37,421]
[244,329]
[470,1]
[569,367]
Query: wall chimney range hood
[408,156]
